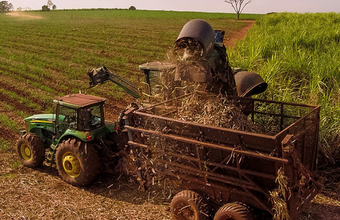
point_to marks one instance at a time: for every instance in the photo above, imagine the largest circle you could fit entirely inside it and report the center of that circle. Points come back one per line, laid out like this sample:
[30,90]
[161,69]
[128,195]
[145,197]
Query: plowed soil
[40,193]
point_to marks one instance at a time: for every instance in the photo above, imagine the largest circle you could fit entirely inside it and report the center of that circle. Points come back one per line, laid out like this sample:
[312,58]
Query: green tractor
[76,139]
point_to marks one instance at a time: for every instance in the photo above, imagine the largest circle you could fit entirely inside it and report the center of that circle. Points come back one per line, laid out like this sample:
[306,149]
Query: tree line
[5,6]
[238,6]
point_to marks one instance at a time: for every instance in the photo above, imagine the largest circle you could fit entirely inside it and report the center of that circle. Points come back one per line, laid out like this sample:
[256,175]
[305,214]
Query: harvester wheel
[31,150]
[77,162]
[187,205]
[234,211]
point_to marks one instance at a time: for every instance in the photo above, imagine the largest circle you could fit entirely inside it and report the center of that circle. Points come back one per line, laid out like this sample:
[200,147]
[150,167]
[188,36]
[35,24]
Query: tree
[238,5]
[45,8]
[49,4]
[132,8]
[5,6]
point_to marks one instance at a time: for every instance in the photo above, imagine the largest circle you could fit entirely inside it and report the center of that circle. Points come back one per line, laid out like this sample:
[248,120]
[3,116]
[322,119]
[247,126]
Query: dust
[23,15]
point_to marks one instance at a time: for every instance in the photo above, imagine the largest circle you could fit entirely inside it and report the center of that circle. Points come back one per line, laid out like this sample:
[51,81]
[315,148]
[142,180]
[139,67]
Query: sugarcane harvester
[198,60]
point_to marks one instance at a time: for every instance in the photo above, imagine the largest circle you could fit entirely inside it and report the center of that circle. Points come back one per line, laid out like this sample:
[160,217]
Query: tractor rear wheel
[187,205]
[234,211]
[31,150]
[77,162]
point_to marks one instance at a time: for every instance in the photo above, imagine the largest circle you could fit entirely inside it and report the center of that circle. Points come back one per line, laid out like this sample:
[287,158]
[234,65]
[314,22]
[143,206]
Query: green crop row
[298,55]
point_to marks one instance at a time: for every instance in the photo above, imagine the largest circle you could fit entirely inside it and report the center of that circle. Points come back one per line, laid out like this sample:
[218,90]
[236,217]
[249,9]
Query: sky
[255,7]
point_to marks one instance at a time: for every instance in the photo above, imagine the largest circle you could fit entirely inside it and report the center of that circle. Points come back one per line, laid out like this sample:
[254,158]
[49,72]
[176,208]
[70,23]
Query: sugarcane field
[141,114]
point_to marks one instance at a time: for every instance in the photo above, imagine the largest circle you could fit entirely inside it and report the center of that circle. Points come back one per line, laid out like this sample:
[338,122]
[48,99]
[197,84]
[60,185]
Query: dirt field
[41,194]
[23,15]
[230,42]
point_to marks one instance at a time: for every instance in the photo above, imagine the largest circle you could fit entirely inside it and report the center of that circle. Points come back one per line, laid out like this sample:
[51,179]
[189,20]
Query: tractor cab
[78,115]
[79,112]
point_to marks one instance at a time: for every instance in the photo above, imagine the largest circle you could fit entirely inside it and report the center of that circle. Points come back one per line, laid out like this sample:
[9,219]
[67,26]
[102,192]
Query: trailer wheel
[77,162]
[234,211]
[31,150]
[187,205]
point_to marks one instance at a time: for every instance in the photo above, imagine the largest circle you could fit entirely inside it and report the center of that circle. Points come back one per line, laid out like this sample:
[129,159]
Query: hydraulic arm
[102,74]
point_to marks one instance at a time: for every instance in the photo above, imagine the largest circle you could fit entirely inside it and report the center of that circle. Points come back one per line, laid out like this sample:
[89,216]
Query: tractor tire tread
[37,149]
[88,157]
[191,196]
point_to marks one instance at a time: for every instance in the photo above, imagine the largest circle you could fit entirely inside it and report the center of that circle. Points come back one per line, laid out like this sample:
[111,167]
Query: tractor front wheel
[31,150]
[77,162]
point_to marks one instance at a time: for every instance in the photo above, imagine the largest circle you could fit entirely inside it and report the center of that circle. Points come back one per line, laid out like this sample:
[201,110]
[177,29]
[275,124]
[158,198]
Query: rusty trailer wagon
[226,173]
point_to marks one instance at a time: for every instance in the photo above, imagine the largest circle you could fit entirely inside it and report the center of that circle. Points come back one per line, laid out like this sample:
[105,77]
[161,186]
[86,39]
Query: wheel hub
[25,152]
[71,164]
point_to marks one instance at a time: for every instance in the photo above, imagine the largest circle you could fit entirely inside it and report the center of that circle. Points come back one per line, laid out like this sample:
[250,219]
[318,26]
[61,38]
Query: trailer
[226,173]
